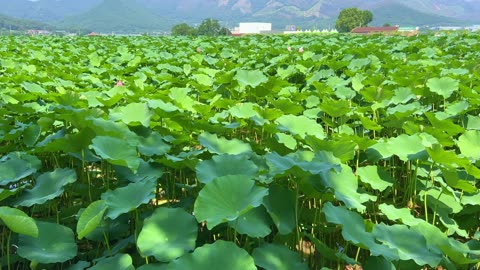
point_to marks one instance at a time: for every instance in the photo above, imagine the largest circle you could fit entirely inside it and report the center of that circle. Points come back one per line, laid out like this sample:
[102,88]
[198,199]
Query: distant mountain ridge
[160,15]
[16,24]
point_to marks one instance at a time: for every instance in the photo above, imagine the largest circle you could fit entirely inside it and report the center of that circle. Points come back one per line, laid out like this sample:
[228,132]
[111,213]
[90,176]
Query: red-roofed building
[375,30]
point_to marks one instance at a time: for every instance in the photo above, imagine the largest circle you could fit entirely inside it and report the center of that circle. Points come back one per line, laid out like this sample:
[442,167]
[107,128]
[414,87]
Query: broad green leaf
[276,257]
[16,166]
[307,161]
[244,110]
[280,204]
[404,146]
[220,255]
[90,218]
[153,266]
[379,263]
[34,88]
[125,199]
[146,172]
[469,144]
[336,108]
[409,244]
[254,223]
[132,114]
[6,193]
[48,186]
[19,222]
[223,165]
[251,78]
[402,214]
[117,262]
[287,140]
[353,230]
[226,198]
[345,186]
[167,234]
[376,177]
[81,265]
[203,79]
[456,251]
[402,95]
[300,125]
[443,86]
[153,145]
[221,145]
[116,151]
[439,200]
[55,243]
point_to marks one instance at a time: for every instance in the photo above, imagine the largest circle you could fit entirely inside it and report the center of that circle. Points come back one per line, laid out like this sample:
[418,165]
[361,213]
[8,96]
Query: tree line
[348,19]
[208,27]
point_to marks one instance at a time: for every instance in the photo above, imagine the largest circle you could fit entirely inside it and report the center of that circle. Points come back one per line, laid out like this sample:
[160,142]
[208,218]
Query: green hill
[397,14]
[117,16]
[15,24]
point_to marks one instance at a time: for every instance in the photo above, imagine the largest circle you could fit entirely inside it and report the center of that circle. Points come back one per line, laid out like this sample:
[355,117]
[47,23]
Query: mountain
[45,10]
[160,15]
[16,24]
[118,16]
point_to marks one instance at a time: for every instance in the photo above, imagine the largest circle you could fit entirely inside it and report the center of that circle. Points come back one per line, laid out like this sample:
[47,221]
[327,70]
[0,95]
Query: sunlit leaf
[375,176]
[90,218]
[116,151]
[167,234]
[217,145]
[443,86]
[217,256]
[55,243]
[226,198]
[300,125]
[119,261]
[251,78]
[19,222]
[276,257]
[409,244]
[132,114]
[469,144]
[223,165]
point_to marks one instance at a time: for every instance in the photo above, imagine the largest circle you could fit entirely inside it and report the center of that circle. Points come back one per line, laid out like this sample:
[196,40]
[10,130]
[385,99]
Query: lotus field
[259,152]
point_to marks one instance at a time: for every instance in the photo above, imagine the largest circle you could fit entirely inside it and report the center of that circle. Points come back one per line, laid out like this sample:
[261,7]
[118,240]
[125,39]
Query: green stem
[358,254]
[107,243]
[8,250]
[297,229]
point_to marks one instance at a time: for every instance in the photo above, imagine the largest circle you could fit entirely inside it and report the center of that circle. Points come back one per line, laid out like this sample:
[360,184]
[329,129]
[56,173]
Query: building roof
[367,29]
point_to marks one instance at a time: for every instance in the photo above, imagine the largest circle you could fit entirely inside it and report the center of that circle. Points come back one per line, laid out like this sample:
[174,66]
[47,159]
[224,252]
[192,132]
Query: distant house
[409,31]
[33,32]
[252,28]
[368,30]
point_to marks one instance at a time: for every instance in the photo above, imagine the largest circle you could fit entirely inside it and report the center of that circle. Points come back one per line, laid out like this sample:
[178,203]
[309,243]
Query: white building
[252,28]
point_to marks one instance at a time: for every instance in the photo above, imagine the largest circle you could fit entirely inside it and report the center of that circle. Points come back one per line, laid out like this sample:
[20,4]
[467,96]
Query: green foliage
[350,18]
[183,29]
[211,27]
[360,150]
[208,27]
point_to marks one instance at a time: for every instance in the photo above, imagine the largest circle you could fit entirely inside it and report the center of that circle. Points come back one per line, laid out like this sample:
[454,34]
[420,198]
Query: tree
[211,27]
[183,29]
[350,18]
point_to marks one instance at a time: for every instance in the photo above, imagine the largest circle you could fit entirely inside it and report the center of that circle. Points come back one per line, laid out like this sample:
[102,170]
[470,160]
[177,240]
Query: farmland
[278,152]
